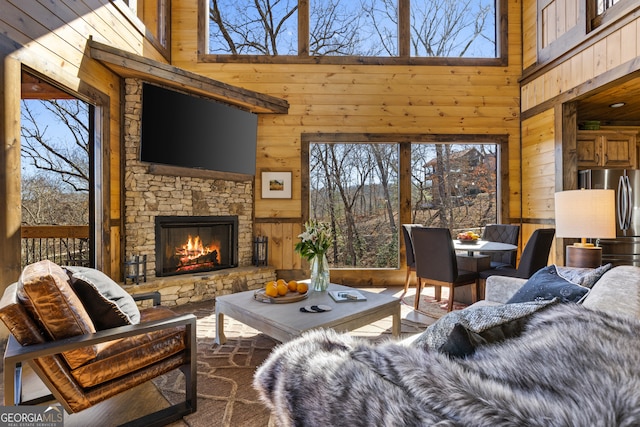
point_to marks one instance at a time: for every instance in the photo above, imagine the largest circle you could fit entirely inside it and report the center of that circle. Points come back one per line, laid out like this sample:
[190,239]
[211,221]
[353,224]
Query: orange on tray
[281,288]
[271,289]
[293,286]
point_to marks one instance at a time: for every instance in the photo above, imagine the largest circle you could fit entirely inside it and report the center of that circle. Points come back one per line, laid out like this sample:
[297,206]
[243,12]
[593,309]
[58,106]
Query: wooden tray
[261,296]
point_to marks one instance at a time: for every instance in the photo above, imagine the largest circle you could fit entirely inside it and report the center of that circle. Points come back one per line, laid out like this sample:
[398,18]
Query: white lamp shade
[586,214]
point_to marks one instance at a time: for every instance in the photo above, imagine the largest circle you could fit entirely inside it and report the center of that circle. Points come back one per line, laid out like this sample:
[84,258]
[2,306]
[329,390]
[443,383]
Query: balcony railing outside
[62,244]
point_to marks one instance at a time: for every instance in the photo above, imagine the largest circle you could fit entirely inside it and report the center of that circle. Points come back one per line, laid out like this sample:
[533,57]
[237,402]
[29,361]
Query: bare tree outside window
[369,28]
[454,185]
[453,28]
[354,189]
[55,141]
[253,27]
[55,149]
[343,27]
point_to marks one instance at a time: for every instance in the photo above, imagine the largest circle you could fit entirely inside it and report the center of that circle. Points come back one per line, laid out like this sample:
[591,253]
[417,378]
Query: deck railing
[62,244]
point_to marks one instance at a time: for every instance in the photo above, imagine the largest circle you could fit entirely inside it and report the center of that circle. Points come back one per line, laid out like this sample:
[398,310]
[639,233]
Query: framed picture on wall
[276,185]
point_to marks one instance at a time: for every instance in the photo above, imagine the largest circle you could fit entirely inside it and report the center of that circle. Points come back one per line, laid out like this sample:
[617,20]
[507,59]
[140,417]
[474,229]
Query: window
[355,188]
[454,185]
[56,175]
[344,28]
[248,27]
[382,30]
[453,28]
[603,5]
[603,12]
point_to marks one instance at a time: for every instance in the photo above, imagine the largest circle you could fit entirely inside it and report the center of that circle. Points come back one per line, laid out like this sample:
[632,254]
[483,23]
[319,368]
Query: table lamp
[585,214]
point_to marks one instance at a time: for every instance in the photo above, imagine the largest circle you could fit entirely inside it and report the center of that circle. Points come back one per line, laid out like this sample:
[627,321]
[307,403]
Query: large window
[384,30]
[356,189]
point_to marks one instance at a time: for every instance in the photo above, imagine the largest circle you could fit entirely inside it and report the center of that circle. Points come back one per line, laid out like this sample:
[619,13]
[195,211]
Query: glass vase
[319,273]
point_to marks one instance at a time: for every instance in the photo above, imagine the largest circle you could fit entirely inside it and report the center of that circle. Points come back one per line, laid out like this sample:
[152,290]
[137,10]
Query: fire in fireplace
[190,244]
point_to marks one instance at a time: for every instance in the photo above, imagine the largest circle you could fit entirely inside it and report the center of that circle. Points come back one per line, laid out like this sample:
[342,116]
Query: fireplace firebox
[190,244]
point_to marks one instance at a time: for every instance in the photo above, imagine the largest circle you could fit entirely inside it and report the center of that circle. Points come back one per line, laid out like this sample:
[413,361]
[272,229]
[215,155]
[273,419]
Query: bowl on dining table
[468,238]
[468,241]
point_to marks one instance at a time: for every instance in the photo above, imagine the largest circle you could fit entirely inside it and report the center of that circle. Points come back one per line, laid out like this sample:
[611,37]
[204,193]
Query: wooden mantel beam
[127,64]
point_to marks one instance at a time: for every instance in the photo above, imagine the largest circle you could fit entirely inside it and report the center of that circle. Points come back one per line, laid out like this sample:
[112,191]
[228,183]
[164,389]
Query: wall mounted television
[193,132]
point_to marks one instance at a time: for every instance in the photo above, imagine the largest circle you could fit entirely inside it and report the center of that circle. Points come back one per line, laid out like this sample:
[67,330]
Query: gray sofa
[566,364]
[617,291]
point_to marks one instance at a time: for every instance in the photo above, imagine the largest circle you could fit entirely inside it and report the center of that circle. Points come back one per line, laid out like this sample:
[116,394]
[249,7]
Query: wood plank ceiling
[598,106]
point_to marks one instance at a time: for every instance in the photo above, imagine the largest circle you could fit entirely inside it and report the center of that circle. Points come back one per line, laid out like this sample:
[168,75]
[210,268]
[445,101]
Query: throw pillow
[108,305]
[546,284]
[586,277]
[460,332]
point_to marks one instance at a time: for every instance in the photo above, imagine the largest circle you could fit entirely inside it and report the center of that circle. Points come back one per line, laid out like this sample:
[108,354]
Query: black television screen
[188,131]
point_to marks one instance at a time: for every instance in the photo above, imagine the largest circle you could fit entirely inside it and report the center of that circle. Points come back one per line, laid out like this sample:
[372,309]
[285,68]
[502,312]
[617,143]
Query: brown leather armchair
[81,366]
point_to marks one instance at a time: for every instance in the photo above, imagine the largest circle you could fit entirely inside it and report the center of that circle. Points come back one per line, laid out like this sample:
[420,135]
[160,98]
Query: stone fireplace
[152,194]
[191,244]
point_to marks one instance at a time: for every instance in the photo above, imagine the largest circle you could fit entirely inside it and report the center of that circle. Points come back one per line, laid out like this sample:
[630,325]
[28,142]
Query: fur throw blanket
[570,367]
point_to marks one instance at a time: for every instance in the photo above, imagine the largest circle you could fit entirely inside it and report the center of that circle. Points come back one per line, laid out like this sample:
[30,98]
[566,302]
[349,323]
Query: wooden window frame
[404,44]
[404,164]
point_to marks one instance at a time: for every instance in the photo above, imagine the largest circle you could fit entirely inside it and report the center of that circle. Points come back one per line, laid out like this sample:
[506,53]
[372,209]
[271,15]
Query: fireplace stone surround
[149,194]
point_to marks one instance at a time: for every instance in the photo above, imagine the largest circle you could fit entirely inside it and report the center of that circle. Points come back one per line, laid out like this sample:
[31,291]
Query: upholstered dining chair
[410,257]
[534,256]
[503,233]
[436,264]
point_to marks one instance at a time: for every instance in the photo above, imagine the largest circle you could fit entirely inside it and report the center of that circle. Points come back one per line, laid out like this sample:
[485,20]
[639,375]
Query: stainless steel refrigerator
[625,248]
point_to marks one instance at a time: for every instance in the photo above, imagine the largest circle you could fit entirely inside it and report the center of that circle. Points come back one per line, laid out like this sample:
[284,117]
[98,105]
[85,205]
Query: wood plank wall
[608,54]
[360,99]
[604,55]
[538,174]
[529,32]
[49,39]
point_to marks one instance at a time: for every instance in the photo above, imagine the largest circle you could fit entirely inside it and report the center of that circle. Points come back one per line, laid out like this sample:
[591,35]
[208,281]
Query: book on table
[347,296]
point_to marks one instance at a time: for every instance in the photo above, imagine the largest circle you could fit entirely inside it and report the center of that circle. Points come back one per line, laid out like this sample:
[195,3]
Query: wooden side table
[588,257]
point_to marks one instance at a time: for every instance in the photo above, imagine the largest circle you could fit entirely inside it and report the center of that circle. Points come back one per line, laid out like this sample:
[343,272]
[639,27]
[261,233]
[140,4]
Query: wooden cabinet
[606,148]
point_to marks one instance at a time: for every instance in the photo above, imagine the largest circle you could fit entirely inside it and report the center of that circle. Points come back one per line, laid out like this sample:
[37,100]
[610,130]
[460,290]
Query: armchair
[81,366]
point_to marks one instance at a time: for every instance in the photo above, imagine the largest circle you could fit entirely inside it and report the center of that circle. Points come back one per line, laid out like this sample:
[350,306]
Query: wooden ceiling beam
[127,64]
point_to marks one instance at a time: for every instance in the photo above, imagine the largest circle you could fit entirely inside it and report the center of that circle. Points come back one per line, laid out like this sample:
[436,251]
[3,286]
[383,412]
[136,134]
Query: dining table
[482,246]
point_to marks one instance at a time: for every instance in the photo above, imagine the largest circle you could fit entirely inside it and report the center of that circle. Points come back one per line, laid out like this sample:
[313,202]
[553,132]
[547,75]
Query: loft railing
[62,244]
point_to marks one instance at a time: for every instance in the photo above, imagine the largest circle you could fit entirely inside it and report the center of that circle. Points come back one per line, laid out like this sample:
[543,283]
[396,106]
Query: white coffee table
[285,321]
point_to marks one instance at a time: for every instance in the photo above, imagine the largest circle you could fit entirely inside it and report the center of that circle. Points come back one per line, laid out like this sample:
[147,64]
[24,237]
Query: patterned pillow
[460,332]
[586,277]
[546,284]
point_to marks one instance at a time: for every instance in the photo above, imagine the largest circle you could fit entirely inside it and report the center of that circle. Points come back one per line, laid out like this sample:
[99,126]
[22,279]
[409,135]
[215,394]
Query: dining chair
[436,264]
[410,257]
[503,233]
[534,256]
